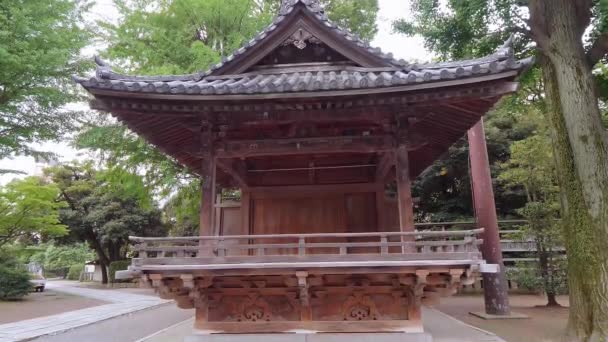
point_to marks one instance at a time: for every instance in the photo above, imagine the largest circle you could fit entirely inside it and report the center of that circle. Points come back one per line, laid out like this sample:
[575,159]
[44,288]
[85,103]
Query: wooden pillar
[207,197]
[404,197]
[404,190]
[380,209]
[494,284]
[245,212]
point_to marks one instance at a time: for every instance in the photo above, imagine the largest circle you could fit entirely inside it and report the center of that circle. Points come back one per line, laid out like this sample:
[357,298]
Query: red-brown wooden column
[207,198]
[404,190]
[495,284]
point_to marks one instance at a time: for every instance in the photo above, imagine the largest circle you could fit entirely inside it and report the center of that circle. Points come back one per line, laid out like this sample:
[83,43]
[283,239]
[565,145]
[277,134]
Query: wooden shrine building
[311,124]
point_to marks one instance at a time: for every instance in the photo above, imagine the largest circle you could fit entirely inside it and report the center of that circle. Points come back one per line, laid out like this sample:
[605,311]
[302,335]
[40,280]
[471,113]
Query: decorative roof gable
[301,22]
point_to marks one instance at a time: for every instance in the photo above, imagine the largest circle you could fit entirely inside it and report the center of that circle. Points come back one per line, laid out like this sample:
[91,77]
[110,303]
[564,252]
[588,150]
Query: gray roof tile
[331,77]
[300,81]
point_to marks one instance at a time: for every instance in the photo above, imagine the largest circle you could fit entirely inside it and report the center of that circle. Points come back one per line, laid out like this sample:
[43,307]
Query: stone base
[307,337]
[483,315]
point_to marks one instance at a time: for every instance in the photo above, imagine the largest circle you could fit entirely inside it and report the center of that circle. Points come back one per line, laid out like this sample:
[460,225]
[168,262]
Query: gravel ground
[39,304]
[544,325]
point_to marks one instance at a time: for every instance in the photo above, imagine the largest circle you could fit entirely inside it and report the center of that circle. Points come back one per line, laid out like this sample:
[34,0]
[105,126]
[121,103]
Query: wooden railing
[426,245]
[511,239]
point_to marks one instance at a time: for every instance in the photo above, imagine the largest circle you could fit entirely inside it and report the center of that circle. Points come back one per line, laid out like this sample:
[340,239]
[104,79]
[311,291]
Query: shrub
[117,266]
[74,272]
[14,283]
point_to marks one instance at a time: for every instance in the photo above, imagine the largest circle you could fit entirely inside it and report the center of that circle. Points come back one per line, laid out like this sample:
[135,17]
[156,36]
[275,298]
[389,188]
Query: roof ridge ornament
[506,50]
[288,5]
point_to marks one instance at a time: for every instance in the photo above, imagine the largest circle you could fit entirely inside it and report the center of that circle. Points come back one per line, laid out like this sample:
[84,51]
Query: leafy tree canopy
[39,46]
[105,208]
[29,209]
[467,29]
[52,256]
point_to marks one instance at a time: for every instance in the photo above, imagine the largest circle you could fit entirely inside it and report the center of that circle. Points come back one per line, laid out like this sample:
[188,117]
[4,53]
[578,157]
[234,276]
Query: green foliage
[7,257]
[28,208]
[182,210]
[40,42]
[75,271]
[359,16]
[549,272]
[53,257]
[531,164]
[467,29]
[105,208]
[14,283]
[118,265]
[464,29]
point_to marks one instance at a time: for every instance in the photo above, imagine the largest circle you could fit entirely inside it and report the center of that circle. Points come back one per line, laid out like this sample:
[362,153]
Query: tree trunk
[551,299]
[586,260]
[581,153]
[104,262]
[104,272]
[543,262]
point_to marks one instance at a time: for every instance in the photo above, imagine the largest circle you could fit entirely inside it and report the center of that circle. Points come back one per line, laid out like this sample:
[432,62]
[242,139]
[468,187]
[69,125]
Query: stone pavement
[442,327]
[121,303]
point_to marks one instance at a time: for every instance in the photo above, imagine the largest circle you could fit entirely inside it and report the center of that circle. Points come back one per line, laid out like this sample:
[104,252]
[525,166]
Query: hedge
[119,265]
[74,272]
[14,283]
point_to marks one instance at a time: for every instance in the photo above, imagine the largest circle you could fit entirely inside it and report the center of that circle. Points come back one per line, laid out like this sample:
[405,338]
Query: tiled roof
[331,78]
[305,78]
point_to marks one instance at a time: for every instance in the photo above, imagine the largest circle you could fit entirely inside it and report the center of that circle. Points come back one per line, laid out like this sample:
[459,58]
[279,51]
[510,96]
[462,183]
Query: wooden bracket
[187,281]
[303,285]
[421,282]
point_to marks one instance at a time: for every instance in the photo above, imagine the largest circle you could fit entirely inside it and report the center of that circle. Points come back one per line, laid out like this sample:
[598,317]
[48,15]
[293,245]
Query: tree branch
[598,50]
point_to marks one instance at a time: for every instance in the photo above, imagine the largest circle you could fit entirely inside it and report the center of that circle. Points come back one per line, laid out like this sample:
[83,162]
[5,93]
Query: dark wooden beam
[236,169]
[387,161]
[404,190]
[262,192]
[272,147]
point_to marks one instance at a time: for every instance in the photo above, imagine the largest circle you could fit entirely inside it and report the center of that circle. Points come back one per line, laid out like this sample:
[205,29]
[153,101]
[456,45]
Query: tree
[40,42]
[103,210]
[14,283]
[53,257]
[581,144]
[182,210]
[359,16]
[29,208]
[532,167]
[549,272]
[570,101]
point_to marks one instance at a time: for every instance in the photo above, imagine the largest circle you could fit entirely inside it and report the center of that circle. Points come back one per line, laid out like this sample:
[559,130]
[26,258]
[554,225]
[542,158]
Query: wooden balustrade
[309,248]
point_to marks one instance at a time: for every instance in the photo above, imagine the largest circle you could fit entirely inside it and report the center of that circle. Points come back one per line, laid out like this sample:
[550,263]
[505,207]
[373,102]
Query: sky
[408,48]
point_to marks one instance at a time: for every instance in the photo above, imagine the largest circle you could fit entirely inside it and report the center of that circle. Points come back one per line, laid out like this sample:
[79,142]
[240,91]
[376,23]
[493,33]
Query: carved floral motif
[359,307]
[254,309]
[299,39]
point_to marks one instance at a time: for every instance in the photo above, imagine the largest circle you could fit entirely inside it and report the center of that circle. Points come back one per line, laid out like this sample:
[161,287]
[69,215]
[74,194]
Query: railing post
[143,253]
[301,246]
[221,249]
[161,252]
[383,245]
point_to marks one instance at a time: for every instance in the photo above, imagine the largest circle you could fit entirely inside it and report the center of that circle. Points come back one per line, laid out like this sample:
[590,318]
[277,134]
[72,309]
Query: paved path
[121,303]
